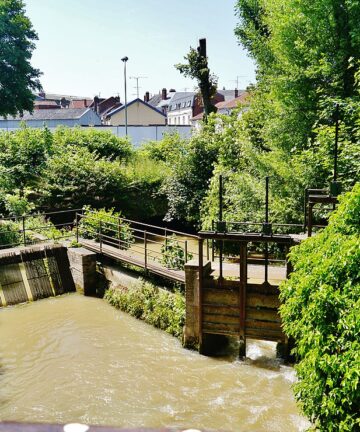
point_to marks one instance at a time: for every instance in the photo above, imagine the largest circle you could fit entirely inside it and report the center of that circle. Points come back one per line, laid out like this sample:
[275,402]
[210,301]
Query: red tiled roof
[80,103]
[231,104]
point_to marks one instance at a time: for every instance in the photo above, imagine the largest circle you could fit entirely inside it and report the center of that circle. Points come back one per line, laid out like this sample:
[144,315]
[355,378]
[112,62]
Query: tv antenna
[137,78]
[237,80]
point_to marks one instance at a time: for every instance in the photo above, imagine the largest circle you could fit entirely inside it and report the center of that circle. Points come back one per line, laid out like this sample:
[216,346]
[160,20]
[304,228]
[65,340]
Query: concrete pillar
[83,269]
[192,299]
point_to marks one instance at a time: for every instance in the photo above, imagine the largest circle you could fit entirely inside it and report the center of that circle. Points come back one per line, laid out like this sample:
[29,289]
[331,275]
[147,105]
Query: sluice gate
[34,273]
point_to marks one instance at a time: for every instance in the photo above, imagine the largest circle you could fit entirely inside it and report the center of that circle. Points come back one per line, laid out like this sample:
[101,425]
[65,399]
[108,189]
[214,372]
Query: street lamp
[125,59]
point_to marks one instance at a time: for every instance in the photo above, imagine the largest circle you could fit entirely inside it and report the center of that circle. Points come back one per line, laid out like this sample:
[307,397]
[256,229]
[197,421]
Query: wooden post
[242,298]
[23,229]
[186,251]
[201,277]
[145,250]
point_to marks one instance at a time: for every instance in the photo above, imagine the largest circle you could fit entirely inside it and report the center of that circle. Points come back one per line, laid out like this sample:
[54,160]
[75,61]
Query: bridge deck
[130,257]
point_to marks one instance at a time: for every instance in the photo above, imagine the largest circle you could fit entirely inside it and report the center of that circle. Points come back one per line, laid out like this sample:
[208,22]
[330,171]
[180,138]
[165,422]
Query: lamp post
[125,59]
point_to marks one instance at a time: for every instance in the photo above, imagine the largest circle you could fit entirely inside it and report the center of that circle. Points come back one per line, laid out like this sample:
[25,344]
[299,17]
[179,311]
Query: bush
[158,307]
[109,220]
[103,143]
[9,234]
[321,312]
[172,254]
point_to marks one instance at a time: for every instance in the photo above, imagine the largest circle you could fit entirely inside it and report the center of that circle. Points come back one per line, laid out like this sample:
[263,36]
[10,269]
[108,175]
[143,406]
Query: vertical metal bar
[77,227]
[201,280]
[242,299]
[207,250]
[267,200]
[310,219]
[186,251]
[23,229]
[100,236]
[119,232]
[145,250]
[221,246]
[306,198]
[336,141]
[266,262]
[212,244]
[220,198]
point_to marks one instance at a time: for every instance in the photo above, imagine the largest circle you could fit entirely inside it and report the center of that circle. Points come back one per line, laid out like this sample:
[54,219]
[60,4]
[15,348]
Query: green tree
[321,312]
[18,79]
[197,68]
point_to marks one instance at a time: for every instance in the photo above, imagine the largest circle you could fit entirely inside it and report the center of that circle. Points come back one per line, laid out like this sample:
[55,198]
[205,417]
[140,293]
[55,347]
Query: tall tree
[18,79]
[197,68]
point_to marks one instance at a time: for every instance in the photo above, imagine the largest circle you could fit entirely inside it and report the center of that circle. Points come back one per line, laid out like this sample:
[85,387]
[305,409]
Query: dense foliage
[109,224]
[158,307]
[18,79]
[321,312]
[173,254]
[74,167]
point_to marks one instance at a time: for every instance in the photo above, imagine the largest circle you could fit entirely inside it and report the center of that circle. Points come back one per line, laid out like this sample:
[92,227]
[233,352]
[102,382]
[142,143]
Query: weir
[33,273]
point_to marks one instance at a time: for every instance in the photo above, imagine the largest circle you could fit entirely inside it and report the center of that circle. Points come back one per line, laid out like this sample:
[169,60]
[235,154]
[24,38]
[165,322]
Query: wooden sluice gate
[237,308]
[34,273]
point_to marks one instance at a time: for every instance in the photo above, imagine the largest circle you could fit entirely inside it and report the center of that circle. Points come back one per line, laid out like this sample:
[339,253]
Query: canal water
[75,358]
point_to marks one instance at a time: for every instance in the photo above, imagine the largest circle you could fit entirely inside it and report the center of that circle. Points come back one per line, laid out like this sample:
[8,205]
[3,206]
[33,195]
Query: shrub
[321,312]
[103,143]
[112,225]
[10,235]
[158,307]
[172,254]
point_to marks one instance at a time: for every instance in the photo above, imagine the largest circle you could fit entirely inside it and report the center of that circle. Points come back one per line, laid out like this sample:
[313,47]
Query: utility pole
[137,83]
[124,60]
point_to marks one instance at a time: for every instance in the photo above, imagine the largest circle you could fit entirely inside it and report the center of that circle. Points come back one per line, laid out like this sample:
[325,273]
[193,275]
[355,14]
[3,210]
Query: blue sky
[81,43]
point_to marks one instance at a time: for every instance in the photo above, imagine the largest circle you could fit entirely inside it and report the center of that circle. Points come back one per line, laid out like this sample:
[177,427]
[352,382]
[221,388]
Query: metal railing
[36,228]
[145,242]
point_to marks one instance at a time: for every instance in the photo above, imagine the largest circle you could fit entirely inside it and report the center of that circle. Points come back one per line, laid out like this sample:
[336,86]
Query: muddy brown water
[74,358]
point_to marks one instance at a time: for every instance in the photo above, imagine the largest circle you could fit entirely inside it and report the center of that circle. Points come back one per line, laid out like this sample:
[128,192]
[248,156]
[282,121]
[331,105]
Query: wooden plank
[232,328]
[261,300]
[263,289]
[224,297]
[12,283]
[220,309]
[263,315]
[257,324]
[36,274]
[59,268]
[221,319]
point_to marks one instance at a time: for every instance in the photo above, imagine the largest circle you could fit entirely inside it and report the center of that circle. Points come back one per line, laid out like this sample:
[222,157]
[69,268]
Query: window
[183,120]
[189,103]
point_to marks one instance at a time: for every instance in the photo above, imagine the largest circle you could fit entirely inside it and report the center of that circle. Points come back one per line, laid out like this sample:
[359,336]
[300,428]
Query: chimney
[147,97]
[85,103]
[163,94]
[117,99]
[42,94]
[236,92]
[96,104]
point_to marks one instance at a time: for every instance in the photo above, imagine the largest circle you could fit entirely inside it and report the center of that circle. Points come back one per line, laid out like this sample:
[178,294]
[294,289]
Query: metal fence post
[77,227]
[212,244]
[23,229]
[119,233]
[145,250]
[100,236]
[186,251]
[207,250]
